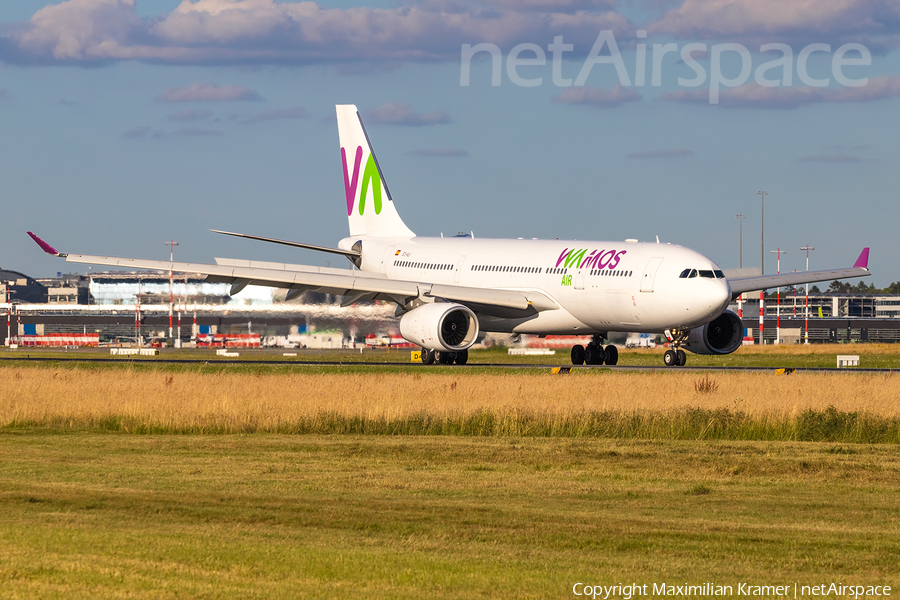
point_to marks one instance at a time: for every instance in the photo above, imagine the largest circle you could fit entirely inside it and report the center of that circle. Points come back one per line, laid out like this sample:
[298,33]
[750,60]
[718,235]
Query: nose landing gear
[675,356]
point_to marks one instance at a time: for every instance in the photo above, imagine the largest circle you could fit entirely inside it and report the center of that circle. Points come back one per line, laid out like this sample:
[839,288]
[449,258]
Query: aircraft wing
[354,285]
[740,285]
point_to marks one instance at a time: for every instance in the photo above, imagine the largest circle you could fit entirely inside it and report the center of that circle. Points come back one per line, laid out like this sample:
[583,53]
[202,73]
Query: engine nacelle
[722,335]
[441,326]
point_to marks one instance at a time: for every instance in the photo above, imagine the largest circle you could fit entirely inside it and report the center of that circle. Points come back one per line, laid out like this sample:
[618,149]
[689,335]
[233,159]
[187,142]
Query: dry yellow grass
[68,397]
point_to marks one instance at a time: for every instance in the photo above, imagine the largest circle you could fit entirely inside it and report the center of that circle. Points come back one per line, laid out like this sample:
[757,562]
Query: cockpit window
[691,273]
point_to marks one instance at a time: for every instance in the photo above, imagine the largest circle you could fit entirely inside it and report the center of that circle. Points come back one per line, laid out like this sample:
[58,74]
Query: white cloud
[551,6]
[873,22]
[79,30]
[269,32]
[398,113]
[208,92]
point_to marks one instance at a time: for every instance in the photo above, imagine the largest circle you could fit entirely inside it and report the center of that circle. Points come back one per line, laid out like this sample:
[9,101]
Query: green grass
[263,516]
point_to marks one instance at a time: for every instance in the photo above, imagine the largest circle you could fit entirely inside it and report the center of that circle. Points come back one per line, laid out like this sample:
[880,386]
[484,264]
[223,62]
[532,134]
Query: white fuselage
[598,286]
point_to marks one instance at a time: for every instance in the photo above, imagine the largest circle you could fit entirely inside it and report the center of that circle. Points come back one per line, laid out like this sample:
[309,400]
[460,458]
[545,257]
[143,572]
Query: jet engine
[722,335]
[441,326]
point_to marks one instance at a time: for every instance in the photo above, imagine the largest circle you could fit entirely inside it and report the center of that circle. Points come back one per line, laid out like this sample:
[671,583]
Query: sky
[130,123]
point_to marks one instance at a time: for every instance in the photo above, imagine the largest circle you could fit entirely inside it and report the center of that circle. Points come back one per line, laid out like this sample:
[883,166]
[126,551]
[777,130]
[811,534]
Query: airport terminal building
[123,306]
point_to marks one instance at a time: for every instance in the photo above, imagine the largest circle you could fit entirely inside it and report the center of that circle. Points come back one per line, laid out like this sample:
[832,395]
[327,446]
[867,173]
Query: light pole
[806,324]
[779,252]
[171,244]
[9,307]
[740,219]
[137,315]
[179,310]
[762,261]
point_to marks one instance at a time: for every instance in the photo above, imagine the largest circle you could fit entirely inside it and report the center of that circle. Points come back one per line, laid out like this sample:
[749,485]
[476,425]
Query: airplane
[448,290]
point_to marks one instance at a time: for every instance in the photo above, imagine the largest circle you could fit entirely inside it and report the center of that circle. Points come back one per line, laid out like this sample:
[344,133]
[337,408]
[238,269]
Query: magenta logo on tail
[370,179]
[350,184]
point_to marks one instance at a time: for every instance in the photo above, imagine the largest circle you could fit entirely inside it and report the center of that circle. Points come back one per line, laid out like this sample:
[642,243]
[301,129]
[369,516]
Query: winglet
[45,246]
[863,261]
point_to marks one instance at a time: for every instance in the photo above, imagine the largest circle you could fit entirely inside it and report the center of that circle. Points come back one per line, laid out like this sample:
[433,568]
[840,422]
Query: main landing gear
[445,358]
[675,356]
[594,353]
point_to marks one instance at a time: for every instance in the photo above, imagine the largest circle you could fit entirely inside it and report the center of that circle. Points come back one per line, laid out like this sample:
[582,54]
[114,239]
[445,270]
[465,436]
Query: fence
[58,339]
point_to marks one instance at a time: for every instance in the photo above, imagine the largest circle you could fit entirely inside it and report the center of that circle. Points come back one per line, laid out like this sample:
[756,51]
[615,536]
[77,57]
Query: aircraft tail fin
[370,208]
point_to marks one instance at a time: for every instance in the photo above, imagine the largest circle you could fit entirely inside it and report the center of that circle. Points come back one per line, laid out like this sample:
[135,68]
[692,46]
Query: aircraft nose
[723,293]
[717,297]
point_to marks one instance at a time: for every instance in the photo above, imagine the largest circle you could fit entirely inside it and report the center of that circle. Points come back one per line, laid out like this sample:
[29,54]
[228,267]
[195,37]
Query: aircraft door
[579,279]
[459,267]
[650,274]
[388,258]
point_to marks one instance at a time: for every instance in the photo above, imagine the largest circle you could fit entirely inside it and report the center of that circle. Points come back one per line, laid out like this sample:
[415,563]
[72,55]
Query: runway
[411,365]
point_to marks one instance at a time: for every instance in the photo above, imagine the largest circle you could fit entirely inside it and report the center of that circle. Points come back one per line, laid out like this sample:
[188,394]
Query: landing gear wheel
[682,358]
[462,357]
[670,358]
[612,355]
[427,356]
[594,355]
[578,354]
[446,358]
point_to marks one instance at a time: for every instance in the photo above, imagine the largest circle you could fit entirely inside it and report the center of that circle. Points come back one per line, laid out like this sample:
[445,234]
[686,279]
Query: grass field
[148,480]
[669,404]
[93,515]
